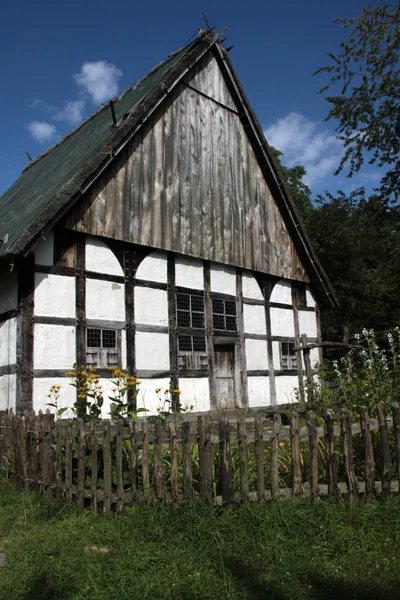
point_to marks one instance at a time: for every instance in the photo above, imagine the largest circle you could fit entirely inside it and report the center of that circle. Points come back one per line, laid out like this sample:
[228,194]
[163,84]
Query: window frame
[107,356]
[292,360]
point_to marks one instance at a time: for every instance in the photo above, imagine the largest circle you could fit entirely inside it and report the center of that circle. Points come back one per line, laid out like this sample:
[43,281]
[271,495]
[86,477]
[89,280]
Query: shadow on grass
[337,589]
[41,588]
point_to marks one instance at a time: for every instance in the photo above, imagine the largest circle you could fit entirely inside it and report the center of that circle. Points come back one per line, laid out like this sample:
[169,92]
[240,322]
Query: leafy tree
[368,103]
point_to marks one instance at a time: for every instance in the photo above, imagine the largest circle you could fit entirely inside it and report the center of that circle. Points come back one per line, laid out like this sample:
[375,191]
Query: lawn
[277,550]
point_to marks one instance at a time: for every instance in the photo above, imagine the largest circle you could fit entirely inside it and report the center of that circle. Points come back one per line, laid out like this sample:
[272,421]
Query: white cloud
[307,143]
[72,112]
[99,80]
[36,102]
[40,131]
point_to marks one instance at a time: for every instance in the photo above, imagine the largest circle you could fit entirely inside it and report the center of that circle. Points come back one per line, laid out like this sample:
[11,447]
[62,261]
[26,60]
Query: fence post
[81,465]
[187,462]
[133,459]
[145,461]
[369,453]
[58,473]
[396,430]
[93,451]
[295,455]
[244,474]
[276,429]
[387,465]
[68,461]
[118,467]
[347,439]
[205,458]
[107,478]
[307,364]
[225,462]
[158,470]
[313,445]
[333,488]
[174,463]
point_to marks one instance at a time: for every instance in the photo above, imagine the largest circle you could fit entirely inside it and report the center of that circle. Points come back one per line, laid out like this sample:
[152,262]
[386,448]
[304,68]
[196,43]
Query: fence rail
[109,465]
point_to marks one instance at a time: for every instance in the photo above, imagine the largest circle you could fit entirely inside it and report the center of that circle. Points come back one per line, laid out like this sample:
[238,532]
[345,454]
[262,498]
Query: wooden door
[224,376]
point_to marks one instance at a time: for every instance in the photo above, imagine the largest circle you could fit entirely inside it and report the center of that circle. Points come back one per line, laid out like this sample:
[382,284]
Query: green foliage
[277,550]
[367,103]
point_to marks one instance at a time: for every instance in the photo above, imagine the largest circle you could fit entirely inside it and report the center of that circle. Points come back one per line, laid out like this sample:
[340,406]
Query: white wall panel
[8,291]
[254,319]
[105,300]
[286,386]
[147,397]
[223,279]
[152,351]
[151,306]
[100,258]
[195,392]
[41,387]
[8,342]
[153,268]
[189,273]
[256,355]
[258,391]
[276,354]
[8,392]
[54,347]
[54,295]
[123,349]
[44,250]
[309,298]
[308,323]
[282,292]
[251,289]
[282,322]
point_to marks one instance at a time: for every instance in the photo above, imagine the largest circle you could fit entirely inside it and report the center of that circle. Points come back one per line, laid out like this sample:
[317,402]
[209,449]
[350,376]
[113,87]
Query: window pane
[197,303]
[93,338]
[185,343]
[183,318]
[231,323]
[198,320]
[284,348]
[109,338]
[291,350]
[219,321]
[183,301]
[218,306]
[230,307]
[199,343]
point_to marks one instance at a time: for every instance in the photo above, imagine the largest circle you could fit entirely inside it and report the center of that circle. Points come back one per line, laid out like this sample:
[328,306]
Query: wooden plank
[295,455]
[297,342]
[276,430]
[80,307]
[118,468]
[385,448]
[145,461]
[259,456]
[133,457]
[309,371]
[58,463]
[158,469]
[129,271]
[68,461]
[243,460]
[80,481]
[187,462]
[173,338]
[333,489]
[225,466]
[205,458]
[396,431]
[369,453]
[107,465]
[25,330]
[313,445]
[347,441]
[94,468]
[174,463]
[16,452]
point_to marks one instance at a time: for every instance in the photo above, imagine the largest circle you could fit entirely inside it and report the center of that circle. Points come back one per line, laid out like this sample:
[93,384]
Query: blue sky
[60,60]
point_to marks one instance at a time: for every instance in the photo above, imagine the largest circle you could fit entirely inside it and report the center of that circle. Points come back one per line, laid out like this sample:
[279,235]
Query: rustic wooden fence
[109,465]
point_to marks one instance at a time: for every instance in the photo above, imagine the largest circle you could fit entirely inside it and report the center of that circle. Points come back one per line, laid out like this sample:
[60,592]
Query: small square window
[288,356]
[101,348]
[224,314]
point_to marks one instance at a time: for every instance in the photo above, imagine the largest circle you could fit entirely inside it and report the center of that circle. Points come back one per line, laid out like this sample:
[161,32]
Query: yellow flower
[158,390]
[176,391]
[281,444]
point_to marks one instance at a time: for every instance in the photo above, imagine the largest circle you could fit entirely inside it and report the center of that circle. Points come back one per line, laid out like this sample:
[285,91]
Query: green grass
[279,550]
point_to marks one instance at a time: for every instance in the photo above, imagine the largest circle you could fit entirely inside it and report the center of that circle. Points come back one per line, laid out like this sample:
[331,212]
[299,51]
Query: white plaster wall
[282,322]
[151,306]
[308,323]
[152,351]
[258,391]
[105,300]
[147,397]
[195,392]
[41,387]
[8,291]
[100,258]
[44,250]
[153,268]
[223,279]
[251,289]
[314,357]
[254,319]
[256,354]
[285,388]
[8,342]
[8,392]
[276,355]
[54,347]
[309,297]
[189,273]
[123,350]
[282,292]
[54,295]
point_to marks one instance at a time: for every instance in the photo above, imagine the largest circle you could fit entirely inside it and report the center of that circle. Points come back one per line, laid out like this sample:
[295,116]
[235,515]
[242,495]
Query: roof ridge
[106,105]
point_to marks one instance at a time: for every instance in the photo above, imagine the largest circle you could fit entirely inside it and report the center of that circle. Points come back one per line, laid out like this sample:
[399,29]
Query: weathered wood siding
[189,182]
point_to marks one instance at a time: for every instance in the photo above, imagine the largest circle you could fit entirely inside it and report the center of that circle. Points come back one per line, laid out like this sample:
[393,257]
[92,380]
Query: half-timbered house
[159,237]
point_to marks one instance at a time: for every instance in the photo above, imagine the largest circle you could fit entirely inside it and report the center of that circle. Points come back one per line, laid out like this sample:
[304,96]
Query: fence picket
[243,459]
[295,455]
[158,469]
[385,448]
[187,462]
[81,465]
[313,445]
[225,469]
[107,466]
[133,459]
[347,441]
[205,458]
[333,488]
[259,456]
[118,468]
[396,430]
[174,463]
[365,423]
[68,461]
[94,468]
[145,461]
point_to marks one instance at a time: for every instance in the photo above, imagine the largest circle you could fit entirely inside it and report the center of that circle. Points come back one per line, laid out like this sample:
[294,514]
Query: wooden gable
[189,182]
